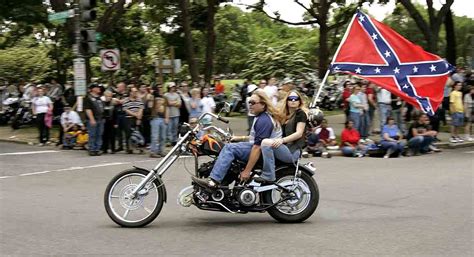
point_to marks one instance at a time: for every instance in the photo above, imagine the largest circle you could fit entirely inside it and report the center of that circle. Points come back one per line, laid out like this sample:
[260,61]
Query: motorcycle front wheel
[303,200]
[128,211]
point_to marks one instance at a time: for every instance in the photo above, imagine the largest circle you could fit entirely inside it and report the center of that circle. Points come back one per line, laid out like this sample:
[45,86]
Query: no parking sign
[110,59]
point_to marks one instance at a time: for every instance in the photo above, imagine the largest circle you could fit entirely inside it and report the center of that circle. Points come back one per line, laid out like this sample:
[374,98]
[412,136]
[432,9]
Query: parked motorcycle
[23,115]
[9,108]
[135,197]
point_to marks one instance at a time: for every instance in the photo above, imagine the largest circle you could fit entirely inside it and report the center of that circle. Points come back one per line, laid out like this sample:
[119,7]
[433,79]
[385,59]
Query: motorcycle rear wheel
[301,207]
[132,212]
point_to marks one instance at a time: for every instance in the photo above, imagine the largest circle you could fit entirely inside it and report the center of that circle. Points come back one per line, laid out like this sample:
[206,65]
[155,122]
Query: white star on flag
[415,69]
[337,68]
[387,53]
[396,70]
[377,70]
[405,86]
[361,18]
[432,68]
[374,36]
[358,70]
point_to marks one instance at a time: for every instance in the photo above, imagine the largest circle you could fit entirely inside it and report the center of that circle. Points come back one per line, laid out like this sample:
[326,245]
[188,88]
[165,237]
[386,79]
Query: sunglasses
[292,98]
[252,102]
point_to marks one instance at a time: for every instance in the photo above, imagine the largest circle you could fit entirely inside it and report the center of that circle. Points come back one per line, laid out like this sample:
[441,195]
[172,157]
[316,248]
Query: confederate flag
[375,52]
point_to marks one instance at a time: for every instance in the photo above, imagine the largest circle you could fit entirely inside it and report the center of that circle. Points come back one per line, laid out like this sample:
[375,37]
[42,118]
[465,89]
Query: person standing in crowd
[173,102]
[218,87]
[185,96]
[391,138]
[69,95]
[420,136]
[42,105]
[468,113]
[364,117]
[69,119]
[456,108]
[110,123]
[272,91]
[250,116]
[262,84]
[195,104]
[159,122]
[147,98]
[445,103]
[208,105]
[121,94]
[397,105]
[350,145]
[356,107]
[384,101]
[371,98]
[55,92]
[346,93]
[94,109]
[133,108]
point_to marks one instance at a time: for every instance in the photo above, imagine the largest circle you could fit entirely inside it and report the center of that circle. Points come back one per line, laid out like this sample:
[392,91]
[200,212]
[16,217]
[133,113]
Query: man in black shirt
[420,136]
[94,109]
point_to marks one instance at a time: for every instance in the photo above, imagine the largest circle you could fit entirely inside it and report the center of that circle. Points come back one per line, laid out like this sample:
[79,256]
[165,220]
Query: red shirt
[350,135]
[219,89]
[345,96]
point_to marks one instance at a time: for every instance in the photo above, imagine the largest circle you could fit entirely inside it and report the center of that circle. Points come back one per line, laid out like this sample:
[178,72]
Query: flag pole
[315,98]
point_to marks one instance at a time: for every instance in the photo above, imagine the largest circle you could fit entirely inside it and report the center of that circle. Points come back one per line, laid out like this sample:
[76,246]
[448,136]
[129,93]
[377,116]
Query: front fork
[163,165]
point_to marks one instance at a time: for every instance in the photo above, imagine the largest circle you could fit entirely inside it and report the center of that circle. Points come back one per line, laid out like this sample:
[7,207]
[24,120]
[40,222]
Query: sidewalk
[28,135]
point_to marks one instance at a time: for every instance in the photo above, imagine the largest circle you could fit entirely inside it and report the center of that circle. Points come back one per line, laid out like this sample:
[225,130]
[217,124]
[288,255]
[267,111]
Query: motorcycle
[23,115]
[135,197]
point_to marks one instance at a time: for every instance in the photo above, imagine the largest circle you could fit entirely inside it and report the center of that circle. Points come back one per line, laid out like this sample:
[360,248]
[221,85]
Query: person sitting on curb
[322,139]
[350,144]
[391,138]
[69,120]
[420,136]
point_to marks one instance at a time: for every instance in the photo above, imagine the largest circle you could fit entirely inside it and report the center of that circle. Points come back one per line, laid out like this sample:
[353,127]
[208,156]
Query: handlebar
[226,121]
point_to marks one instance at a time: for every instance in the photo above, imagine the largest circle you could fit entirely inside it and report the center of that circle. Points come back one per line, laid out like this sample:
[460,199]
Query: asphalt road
[51,204]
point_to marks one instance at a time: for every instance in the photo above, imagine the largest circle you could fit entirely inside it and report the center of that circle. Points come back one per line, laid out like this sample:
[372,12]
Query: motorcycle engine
[247,197]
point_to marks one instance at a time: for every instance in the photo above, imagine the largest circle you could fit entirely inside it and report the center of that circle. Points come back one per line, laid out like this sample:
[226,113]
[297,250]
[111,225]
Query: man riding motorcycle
[265,125]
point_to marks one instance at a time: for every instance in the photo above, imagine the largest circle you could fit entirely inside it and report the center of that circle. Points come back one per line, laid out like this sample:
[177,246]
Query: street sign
[110,59]
[98,36]
[61,15]
[79,69]
[167,66]
[80,87]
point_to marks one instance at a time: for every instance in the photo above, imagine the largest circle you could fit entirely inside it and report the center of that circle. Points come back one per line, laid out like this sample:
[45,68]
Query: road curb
[14,141]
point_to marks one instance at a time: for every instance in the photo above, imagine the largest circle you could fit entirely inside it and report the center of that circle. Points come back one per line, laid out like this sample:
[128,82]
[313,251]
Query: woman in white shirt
[41,105]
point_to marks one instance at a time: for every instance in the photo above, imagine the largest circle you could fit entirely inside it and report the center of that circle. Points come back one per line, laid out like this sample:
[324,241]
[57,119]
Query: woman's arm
[300,127]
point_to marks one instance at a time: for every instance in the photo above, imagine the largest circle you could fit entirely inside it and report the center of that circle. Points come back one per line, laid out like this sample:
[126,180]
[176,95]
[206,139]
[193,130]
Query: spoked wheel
[302,200]
[129,211]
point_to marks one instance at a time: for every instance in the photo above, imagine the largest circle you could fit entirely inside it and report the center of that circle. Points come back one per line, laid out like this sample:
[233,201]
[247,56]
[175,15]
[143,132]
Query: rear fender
[302,168]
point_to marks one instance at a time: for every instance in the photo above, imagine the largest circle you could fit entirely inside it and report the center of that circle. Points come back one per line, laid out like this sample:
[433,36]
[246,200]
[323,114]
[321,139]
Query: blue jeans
[95,135]
[355,117]
[229,153]
[397,115]
[349,151]
[173,129]
[281,153]
[384,111]
[392,147]
[364,125]
[420,143]
[158,135]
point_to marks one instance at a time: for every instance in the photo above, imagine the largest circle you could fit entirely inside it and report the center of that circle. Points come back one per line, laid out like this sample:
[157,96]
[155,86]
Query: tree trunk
[450,38]
[186,23]
[323,50]
[211,40]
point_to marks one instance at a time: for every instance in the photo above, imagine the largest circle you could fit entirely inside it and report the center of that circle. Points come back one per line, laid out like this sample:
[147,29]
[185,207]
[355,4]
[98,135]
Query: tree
[318,13]
[430,28]
[185,22]
[280,62]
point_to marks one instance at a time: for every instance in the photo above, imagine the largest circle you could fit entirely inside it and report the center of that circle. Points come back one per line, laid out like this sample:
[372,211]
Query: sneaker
[434,149]
[453,140]
[359,155]
[205,182]
[305,154]
[460,140]
[40,144]
[469,139]
[155,155]
[386,156]
[263,181]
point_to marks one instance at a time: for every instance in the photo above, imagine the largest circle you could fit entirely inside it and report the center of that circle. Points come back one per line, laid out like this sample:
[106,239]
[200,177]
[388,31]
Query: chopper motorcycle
[135,197]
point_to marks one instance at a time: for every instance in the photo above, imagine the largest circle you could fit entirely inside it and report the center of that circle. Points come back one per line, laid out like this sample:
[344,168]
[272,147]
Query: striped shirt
[132,105]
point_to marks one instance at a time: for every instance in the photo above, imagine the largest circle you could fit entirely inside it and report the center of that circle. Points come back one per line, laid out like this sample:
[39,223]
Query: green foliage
[26,60]
[279,61]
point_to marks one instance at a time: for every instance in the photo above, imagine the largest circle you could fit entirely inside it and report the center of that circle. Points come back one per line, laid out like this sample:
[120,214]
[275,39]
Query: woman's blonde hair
[285,110]
[269,105]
